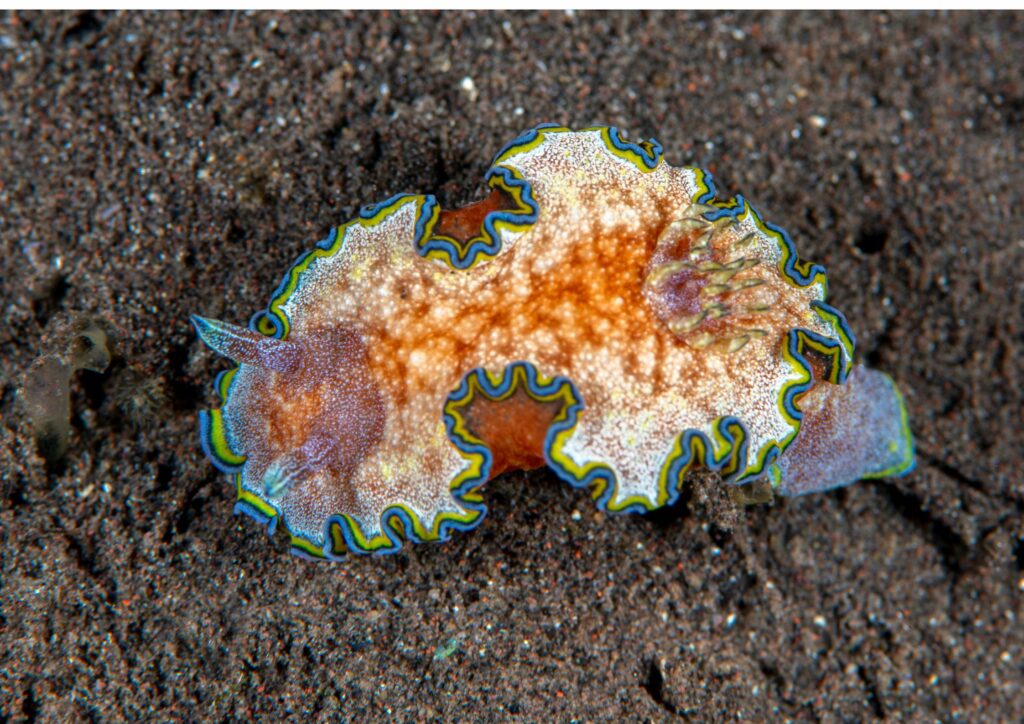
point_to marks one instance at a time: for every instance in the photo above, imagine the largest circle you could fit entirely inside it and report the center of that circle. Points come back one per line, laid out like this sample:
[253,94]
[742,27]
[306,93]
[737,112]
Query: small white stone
[469,88]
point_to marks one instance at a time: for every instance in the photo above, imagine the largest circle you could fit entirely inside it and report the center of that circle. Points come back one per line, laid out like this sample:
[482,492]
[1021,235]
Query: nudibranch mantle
[601,312]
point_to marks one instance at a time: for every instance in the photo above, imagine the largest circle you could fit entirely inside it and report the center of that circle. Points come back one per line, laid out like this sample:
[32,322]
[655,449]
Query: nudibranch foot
[599,311]
[849,432]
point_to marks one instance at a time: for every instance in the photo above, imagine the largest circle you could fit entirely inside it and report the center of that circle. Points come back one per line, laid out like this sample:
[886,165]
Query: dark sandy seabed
[152,166]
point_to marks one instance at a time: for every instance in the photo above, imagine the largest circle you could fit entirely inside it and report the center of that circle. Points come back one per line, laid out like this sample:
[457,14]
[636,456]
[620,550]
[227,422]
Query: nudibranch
[599,311]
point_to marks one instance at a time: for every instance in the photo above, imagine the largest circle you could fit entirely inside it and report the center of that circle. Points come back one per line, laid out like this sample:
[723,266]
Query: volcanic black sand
[158,165]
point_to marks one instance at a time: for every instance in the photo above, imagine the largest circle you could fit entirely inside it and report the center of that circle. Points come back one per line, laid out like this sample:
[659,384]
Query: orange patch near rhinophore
[288,417]
[332,400]
[465,223]
[514,429]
